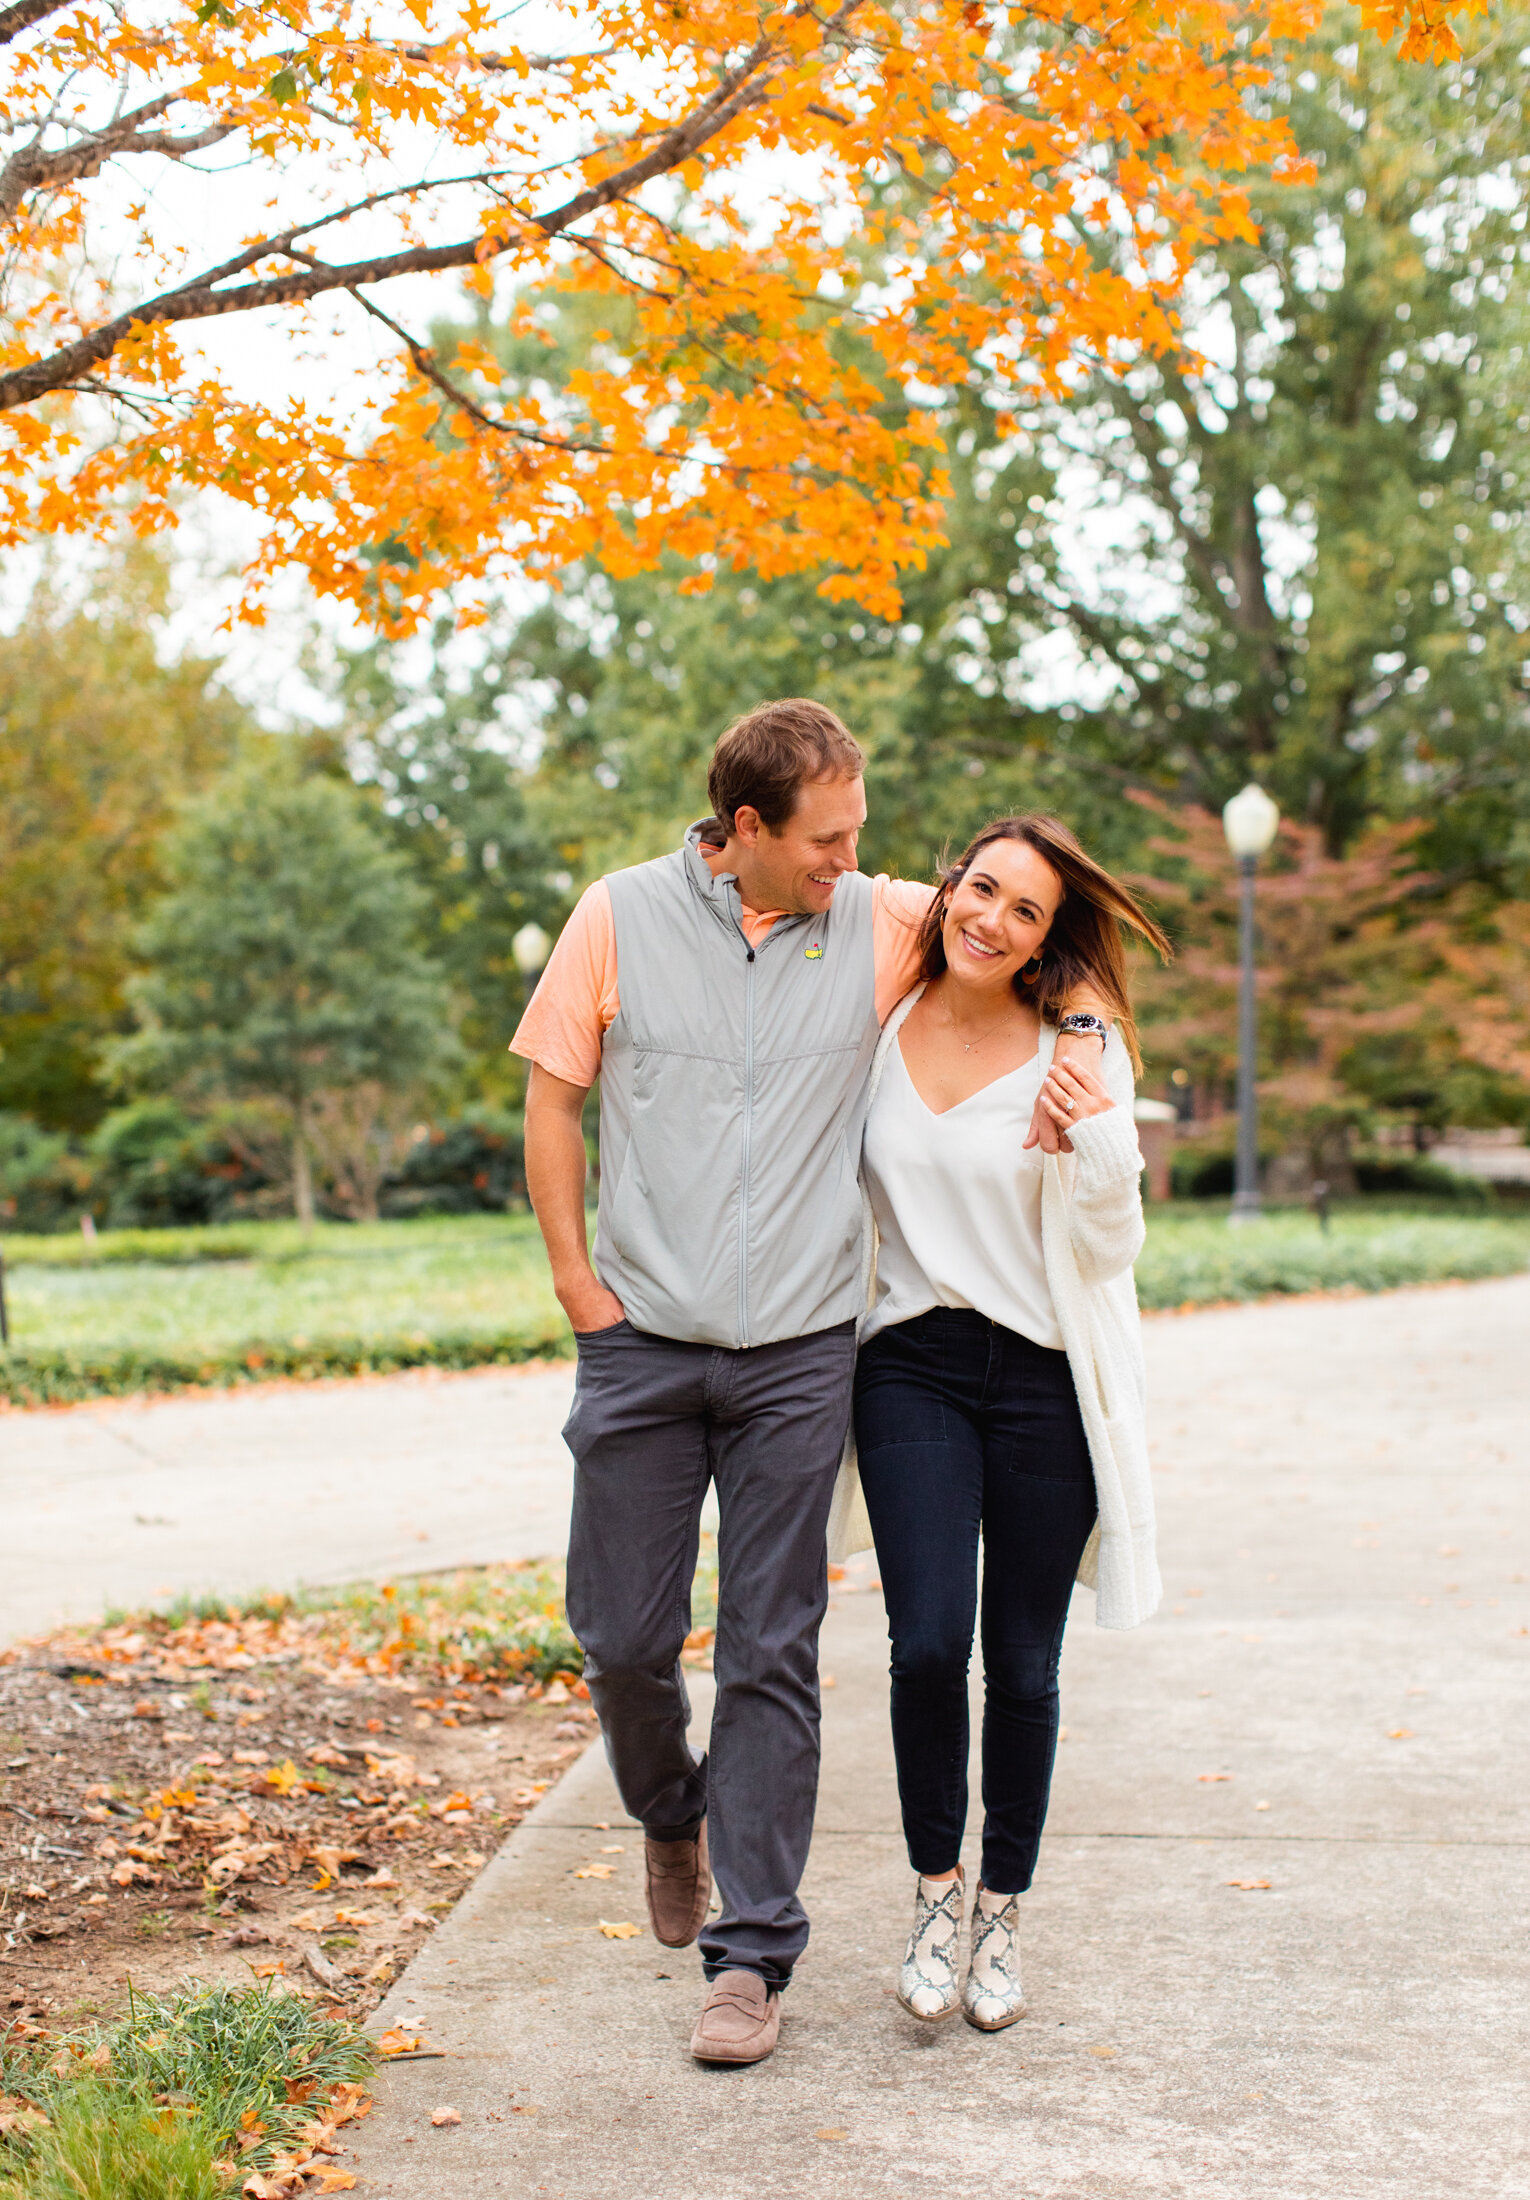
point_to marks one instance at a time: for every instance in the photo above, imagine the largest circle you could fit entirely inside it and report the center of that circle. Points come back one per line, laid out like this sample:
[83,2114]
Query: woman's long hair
[1084,945]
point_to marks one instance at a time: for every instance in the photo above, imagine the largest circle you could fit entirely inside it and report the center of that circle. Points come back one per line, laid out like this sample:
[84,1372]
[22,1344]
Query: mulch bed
[226,1798]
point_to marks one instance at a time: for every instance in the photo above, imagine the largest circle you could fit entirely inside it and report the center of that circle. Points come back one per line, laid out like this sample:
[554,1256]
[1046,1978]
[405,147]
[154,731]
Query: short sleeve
[898,909]
[575,1002]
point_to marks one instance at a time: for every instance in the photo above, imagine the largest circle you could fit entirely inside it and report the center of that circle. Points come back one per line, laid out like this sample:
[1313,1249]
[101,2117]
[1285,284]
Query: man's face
[797,867]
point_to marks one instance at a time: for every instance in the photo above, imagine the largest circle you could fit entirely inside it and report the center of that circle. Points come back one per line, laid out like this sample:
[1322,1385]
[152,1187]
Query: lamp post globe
[1249,821]
[531,947]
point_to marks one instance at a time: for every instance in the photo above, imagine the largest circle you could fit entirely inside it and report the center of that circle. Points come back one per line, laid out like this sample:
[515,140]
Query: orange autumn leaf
[1004,181]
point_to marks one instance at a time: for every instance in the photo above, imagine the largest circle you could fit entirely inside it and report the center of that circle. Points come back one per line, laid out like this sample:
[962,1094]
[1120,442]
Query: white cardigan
[1091,1232]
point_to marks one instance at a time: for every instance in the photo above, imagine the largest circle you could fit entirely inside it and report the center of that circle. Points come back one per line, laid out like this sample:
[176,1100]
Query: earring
[1031,971]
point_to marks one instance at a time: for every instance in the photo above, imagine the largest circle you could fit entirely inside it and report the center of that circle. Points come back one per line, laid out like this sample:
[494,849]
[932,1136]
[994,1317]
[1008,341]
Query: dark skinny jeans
[963,1427]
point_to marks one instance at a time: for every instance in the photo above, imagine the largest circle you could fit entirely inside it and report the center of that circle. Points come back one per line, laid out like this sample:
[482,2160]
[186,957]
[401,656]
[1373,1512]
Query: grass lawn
[468,1274]
[157,1310]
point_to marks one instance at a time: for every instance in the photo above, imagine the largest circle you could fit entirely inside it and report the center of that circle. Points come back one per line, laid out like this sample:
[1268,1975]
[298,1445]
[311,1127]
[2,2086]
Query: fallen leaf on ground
[252,1756]
[383,1878]
[1207,1779]
[1400,1734]
[398,2042]
[614,1848]
[831,2131]
[623,1931]
[329,1858]
[446,2115]
[1249,1886]
[595,1871]
[18,2115]
[309,1921]
[320,1968]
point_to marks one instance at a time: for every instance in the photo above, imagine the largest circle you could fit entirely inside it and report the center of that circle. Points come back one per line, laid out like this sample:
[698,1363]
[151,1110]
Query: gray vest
[732,1098]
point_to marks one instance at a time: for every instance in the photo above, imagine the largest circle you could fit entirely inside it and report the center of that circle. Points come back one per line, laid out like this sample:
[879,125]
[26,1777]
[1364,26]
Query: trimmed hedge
[160,1248]
[1199,1261]
[65,1378]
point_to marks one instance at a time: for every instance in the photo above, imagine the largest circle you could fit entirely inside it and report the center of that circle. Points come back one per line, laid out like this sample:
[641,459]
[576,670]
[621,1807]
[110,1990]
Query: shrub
[43,1185]
[477,1161]
[152,1168]
[1413,1177]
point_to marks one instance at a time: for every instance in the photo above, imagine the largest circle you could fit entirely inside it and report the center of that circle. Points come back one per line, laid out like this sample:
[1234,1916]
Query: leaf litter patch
[294,1793]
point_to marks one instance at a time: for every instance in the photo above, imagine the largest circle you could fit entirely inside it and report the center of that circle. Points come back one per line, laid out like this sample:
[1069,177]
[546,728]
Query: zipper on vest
[743,1184]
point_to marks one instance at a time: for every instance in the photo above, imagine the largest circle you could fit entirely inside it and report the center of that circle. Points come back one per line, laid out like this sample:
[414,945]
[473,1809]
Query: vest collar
[720,890]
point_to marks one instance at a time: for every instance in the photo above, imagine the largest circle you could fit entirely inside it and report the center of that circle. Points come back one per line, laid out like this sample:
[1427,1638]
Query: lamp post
[1249,821]
[531,948]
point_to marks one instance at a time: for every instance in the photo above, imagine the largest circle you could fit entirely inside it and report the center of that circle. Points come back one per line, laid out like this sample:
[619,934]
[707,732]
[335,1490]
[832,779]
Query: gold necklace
[967,1045]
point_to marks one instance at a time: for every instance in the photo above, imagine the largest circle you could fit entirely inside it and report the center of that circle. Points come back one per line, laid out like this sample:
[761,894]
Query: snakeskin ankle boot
[928,1984]
[992,1995]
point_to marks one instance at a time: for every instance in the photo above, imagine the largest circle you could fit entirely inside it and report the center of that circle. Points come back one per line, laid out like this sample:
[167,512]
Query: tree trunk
[302,1173]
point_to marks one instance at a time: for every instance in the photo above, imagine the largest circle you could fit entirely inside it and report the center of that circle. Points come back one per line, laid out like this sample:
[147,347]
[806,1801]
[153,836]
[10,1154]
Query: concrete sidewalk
[131,1501]
[1344,1641]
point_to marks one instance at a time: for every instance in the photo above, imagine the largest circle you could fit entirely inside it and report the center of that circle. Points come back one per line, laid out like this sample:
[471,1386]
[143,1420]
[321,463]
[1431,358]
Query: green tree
[285,963]
[99,738]
[1308,554]
[450,771]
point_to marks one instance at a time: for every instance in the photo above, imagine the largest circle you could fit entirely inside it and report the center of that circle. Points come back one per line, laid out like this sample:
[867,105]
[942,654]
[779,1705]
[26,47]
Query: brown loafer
[739,2019]
[678,1884]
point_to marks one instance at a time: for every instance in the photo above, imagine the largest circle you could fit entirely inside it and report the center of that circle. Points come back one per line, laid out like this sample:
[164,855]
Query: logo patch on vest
[813,953]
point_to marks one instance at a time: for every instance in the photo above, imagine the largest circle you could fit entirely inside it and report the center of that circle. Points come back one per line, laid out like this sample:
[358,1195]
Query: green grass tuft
[170,2090]
[104,2144]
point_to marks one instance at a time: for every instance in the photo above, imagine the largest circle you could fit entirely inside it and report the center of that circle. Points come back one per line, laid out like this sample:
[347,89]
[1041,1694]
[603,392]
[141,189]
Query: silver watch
[1086,1026]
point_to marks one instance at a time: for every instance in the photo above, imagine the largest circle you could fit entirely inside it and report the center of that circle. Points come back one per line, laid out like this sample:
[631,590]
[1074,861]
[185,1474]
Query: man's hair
[774,750]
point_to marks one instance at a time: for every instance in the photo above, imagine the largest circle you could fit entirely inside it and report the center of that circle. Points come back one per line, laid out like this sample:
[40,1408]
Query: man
[729,997]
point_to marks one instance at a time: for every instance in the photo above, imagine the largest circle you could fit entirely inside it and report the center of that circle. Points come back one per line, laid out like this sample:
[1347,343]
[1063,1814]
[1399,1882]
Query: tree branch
[32,170]
[428,367]
[201,299]
[24,13]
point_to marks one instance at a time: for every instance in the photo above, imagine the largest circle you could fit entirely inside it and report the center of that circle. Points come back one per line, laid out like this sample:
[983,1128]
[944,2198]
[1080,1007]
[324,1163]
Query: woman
[999,1388]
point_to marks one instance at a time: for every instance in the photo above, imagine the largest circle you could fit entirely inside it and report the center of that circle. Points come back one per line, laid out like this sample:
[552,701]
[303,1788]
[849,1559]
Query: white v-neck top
[957,1202]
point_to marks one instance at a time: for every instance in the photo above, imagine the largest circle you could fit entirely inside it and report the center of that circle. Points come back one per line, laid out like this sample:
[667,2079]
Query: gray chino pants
[653,1422]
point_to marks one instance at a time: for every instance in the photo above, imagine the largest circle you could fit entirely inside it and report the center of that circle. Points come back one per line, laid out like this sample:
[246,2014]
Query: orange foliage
[1013,182]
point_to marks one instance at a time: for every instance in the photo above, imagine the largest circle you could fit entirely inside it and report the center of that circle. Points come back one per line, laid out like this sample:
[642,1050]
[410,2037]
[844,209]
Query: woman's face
[999,914]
